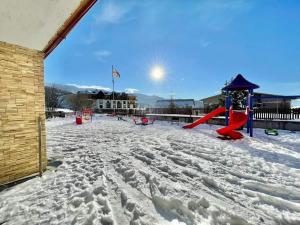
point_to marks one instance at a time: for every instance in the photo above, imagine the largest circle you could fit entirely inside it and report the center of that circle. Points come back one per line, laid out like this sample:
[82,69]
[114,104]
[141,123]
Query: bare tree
[52,97]
[79,101]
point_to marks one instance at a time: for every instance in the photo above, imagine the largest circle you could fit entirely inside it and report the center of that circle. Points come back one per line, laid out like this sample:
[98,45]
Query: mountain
[146,100]
[142,99]
[68,88]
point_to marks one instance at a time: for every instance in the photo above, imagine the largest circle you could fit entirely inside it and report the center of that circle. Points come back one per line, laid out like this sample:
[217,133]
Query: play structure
[233,119]
[144,121]
[85,115]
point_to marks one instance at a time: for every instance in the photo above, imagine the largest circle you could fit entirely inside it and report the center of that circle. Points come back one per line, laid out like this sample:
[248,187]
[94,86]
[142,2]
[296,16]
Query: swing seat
[273,132]
[144,121]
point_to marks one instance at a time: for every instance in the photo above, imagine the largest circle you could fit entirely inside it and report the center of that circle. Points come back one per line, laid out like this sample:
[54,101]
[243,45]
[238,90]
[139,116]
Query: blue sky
[199,43]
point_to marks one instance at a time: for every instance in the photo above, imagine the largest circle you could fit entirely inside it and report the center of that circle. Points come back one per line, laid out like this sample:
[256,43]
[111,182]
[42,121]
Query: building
[263,100]
[212,101]
[198,109]
[122,101]
[29,32]
[175,103]
[271,101]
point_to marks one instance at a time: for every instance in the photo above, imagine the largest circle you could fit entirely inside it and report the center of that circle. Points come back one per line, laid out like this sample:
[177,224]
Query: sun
[157,73]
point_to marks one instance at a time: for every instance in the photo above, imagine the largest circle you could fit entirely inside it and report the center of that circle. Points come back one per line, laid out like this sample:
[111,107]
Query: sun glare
[157,73]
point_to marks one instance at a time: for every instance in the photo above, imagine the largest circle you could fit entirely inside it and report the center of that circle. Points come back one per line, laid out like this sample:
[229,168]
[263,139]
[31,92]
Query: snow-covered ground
[115,172]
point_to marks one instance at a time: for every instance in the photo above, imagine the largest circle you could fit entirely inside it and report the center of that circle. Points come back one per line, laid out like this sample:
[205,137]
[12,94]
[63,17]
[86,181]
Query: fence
[277,114]
[259,113]
[182,111]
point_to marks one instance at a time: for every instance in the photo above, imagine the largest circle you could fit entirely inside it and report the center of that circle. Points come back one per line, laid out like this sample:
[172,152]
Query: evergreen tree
[238,99]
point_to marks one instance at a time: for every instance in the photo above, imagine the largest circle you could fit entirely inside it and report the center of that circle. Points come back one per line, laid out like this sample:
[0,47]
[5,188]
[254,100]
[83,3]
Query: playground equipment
[121,118]
[84,116]
[144,121]
[87,114]
[273,132]
[78,120]
[233,119]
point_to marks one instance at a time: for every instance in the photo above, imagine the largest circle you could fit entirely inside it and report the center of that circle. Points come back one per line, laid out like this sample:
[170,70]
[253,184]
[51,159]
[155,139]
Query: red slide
[205,118]
[237,120]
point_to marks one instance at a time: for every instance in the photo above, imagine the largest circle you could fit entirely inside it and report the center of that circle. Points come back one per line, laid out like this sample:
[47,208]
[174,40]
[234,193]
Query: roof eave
[84,7]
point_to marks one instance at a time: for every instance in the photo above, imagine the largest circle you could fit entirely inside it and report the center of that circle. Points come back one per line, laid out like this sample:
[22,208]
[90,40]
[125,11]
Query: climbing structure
[234,119]
[240,83]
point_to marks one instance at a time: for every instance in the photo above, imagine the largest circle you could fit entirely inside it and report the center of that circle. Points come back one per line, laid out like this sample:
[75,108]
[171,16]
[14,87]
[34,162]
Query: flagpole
[113,81]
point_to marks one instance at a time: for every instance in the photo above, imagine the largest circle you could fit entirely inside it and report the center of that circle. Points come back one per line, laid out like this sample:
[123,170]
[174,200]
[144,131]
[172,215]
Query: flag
[115,73]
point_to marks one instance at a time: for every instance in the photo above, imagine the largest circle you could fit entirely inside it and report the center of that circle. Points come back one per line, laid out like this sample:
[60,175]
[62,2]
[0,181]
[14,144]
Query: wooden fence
[277,114]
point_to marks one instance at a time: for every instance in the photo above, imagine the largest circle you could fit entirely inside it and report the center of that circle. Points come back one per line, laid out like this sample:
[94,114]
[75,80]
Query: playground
[115,172]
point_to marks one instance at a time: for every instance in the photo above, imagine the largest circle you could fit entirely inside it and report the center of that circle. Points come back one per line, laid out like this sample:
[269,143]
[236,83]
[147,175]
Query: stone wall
[22,102]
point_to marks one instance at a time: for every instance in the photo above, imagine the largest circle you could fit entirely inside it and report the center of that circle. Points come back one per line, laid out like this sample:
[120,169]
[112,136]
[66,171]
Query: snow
[64,110]
[114,172]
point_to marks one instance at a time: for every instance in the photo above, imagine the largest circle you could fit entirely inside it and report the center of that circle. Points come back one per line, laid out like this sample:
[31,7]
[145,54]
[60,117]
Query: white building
[104,101]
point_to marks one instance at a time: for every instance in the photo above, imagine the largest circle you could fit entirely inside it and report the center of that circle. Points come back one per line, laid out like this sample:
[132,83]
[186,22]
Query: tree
[238,99]
[79,101]
[52,97]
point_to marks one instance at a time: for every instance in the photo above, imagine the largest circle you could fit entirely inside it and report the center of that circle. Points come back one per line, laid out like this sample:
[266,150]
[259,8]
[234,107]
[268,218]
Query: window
[119,105]
[108,105]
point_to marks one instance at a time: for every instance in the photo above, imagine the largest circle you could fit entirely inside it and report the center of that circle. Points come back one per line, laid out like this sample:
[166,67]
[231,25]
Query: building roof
[40,25]
[240,83]
[212,97]
[101,94]
[256,94]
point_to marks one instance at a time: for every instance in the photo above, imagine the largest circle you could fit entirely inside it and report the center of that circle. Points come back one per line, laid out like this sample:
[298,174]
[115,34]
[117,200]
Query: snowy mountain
[146,100]
[143,100]
[69,88]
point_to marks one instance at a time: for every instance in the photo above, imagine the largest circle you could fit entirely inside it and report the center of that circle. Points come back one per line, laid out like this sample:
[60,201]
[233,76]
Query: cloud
[90,38]
[205,43]
[131,90]
[91,87]
[112,13]
[98,87]
[102,55]
[218,14]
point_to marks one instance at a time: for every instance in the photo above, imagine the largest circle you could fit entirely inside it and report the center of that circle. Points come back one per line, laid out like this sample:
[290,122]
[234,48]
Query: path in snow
[114,172]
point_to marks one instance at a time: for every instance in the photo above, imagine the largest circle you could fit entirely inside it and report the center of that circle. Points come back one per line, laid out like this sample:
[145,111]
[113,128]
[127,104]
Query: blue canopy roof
[240,83]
